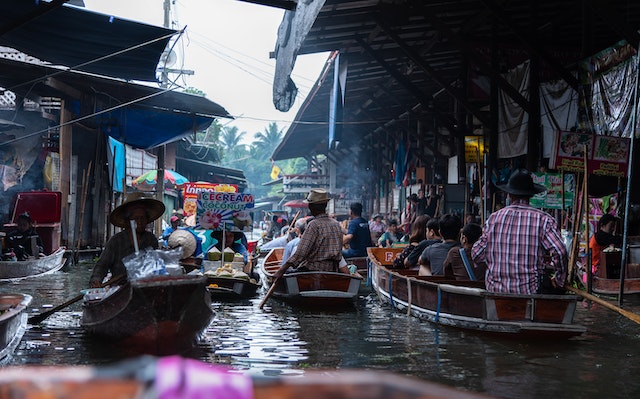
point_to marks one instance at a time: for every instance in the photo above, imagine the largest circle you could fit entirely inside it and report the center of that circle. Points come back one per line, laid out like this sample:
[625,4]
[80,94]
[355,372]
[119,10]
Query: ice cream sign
[224,211]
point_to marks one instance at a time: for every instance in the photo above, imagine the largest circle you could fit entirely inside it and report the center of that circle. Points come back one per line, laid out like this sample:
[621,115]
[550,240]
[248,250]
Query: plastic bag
[150,262]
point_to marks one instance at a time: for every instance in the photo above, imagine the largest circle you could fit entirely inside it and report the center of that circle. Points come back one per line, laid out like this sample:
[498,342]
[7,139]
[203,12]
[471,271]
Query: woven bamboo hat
[120,216]
[183,238]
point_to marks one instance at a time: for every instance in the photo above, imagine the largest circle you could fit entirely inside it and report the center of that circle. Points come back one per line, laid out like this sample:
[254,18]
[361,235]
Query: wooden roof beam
[420,61]
[480,63]
[533,45]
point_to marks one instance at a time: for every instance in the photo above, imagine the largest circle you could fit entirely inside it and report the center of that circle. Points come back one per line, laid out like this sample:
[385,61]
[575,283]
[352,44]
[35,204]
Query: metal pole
[623,262]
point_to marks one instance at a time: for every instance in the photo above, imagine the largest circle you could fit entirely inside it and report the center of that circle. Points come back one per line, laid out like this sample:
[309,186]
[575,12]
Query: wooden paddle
[271,289]
[629,315]
[40,317]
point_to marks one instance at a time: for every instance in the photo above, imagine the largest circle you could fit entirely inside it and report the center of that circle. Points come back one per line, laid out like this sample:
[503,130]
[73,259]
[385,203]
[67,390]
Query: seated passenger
[390,236]
[22,239]
[432,258]
[460,268]
[432,237]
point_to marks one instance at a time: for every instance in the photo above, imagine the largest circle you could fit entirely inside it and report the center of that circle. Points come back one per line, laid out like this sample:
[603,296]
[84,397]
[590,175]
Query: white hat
[186,240]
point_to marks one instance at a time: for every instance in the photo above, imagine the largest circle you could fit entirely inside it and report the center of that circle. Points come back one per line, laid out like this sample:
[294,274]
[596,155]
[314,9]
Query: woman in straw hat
[140,209]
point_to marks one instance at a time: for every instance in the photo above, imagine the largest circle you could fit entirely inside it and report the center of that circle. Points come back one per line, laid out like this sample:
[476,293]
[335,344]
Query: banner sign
[473,147]
[224,211]
[552,198]
[606,155]
[190,193]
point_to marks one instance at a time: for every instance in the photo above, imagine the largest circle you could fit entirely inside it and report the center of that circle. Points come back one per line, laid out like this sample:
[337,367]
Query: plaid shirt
[513,245]
[320,246]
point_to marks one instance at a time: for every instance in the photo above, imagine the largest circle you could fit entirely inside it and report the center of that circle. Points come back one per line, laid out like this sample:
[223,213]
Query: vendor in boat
[236,241]
[140,209]
[320,246]
[22,240]
[603,238]
[517,239]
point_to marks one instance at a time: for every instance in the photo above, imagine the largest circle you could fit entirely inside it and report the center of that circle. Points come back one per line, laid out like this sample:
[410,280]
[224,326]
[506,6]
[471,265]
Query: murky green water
[280,340]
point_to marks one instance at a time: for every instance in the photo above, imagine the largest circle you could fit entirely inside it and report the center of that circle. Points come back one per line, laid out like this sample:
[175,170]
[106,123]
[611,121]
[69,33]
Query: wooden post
[65,166]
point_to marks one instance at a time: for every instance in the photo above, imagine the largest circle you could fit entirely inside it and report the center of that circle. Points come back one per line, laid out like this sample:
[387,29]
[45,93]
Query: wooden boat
[12,271]
[312,288]
[158,315]
[609,269]
[13,322]
[232,288]
[135,378]
[467,305]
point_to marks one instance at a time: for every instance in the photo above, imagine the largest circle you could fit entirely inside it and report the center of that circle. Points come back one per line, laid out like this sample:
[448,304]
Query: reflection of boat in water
[157,315]
[310,288]
[16,270]
[172,377]
[467,305]
[13,322]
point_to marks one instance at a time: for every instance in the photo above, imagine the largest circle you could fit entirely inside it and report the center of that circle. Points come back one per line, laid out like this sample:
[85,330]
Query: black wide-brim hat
[521,183]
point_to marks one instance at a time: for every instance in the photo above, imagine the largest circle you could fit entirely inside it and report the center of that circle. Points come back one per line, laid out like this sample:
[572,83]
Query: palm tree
[268,140]
[230,139]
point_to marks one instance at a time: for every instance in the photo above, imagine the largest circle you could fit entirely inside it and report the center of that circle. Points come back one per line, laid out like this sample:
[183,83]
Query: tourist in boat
[297,231]
[603,238]
[432,236]
[516,240]
[232,240]
[390,236]
[460,268]
[140,209]
[431,260]
[358,235]
[376,227]
[418,233]
[320,246]
[22,239]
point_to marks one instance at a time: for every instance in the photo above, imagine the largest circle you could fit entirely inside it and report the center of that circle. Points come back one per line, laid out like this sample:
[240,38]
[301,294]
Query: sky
[226,45]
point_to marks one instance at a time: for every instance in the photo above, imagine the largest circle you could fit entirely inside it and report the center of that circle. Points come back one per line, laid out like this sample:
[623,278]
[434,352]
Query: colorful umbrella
[171,177]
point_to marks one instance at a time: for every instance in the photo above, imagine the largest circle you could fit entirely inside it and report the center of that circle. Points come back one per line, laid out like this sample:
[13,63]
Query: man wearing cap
[142,211]
[516,240]
[320,246]
[175,222]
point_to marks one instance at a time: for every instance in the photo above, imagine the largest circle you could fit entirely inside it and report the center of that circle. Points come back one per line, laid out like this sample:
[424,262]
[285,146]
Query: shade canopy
[296,204]
[82,39]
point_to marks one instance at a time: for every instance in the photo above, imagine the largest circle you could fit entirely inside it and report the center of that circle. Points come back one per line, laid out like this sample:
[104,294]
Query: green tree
[230,139]
[268,140]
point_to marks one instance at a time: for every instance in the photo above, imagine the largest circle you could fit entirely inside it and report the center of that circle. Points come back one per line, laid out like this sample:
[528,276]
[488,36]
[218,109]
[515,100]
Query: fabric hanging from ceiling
[613,75]
[73,36]
[513,121]
[559,111]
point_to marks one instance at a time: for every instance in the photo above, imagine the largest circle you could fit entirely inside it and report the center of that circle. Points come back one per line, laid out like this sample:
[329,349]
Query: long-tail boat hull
[467,305]
[158,315]
[312,288]
[17,270]
[13,322]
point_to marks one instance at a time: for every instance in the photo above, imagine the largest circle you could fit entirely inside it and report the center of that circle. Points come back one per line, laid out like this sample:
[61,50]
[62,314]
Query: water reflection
[280,340]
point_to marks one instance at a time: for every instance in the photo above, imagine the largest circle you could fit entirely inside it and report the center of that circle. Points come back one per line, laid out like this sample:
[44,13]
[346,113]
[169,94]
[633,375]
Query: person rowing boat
[140,209]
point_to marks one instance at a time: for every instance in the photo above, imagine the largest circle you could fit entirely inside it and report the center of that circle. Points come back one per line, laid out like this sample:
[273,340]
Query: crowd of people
[518,250]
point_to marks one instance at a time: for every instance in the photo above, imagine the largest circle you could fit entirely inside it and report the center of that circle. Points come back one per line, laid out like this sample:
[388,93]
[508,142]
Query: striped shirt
[513,245]
[320,246]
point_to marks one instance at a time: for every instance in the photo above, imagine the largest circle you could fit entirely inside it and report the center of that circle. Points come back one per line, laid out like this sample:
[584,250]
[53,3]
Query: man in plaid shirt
[320,246]
[517,239]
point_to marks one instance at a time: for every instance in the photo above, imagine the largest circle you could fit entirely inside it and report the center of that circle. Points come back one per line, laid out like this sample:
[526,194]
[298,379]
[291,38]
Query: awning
[75,37]
[141,116]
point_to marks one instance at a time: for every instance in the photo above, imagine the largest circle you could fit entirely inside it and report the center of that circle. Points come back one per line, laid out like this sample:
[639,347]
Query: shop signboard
[227,211]
[190,193]
[606,155]
[552,198]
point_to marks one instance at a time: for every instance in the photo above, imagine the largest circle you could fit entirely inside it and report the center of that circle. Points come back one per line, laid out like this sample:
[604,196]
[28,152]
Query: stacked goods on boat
[228,271]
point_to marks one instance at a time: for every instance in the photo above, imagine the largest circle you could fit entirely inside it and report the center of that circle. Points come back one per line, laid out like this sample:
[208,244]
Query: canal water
[282,341]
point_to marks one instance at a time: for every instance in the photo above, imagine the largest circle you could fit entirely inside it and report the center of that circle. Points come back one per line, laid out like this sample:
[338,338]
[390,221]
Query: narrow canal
[279,340]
